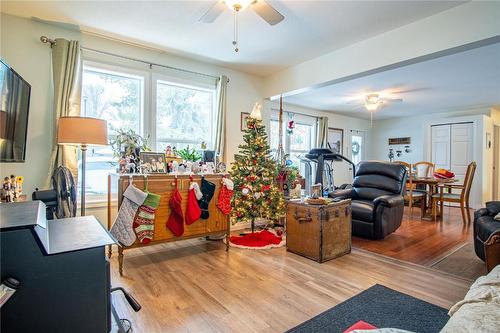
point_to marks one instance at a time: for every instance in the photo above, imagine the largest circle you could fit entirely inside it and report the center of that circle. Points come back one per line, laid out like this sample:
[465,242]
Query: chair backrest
[376,178]
[408,168]
[424,169]
[469,177]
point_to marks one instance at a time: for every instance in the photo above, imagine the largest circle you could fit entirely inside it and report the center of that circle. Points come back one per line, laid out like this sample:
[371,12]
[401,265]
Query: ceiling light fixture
[238,5]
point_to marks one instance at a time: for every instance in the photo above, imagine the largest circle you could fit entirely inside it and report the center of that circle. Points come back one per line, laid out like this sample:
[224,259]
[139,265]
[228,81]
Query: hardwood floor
[421,241]
[196,286]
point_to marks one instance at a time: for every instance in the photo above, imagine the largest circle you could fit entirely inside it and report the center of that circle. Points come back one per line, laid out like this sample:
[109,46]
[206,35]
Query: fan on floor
[260,7]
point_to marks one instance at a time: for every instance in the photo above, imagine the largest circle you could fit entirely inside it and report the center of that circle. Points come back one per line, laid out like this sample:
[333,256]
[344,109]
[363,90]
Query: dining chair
[462,198]
[424,169]
[411,194]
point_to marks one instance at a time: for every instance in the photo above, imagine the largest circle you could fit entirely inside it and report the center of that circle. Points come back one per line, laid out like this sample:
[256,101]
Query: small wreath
[355,148]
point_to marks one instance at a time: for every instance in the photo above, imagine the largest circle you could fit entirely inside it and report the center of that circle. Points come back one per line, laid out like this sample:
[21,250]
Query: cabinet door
[440,146]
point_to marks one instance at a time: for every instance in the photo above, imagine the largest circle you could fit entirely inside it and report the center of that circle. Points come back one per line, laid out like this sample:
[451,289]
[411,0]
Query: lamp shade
[82,131]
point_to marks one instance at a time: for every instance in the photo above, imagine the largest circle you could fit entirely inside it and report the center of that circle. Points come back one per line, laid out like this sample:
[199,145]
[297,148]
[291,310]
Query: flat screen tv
[14,108]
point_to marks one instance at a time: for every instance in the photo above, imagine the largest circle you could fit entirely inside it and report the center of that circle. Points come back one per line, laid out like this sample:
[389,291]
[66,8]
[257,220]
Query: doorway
[357,150]
[496,162]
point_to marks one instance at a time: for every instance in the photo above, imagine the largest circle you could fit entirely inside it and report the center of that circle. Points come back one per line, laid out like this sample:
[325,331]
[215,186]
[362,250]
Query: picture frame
[316,190]
[336,140]
[152,162]
[243,121]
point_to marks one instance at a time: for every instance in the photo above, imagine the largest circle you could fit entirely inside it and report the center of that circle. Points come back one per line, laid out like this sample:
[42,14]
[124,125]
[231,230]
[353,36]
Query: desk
[432,183]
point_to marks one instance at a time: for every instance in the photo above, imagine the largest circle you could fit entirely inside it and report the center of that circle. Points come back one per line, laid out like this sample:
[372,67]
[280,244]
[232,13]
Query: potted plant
[126,146]
[189,154]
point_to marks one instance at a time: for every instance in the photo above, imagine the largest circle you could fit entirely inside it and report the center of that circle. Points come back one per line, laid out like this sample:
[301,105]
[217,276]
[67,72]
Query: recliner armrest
[481,212]
[389,200]
[493,207]
[347,193]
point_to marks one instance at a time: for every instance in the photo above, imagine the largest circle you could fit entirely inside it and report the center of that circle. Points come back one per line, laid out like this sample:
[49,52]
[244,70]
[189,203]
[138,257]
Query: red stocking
[225,194]
[175,221]
[193,211]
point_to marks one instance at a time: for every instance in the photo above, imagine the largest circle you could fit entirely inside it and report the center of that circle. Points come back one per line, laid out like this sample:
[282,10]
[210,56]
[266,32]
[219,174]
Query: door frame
[495,195]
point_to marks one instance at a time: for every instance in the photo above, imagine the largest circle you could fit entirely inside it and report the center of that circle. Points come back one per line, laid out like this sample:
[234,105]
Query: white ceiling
[466,80]
[310,28]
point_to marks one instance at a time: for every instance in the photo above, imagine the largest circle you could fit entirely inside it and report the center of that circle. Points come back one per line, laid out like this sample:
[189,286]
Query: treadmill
[320,155]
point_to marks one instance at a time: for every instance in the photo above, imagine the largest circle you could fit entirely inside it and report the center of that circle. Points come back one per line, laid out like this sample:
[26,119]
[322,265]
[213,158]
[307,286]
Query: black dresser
[62,269]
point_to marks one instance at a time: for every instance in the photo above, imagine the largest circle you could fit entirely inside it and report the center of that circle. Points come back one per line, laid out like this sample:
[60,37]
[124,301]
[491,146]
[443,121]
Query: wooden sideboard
[163,185]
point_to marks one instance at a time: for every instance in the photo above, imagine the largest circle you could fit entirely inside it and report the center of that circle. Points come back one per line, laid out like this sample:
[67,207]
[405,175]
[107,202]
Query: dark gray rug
[381,307]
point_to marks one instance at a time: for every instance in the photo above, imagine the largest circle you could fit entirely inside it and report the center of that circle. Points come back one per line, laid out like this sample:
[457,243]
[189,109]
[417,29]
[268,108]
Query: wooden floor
[420,241]
[196,286]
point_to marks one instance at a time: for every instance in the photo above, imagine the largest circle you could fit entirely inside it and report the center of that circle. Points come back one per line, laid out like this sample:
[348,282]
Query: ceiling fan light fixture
[371,106]
[238,5]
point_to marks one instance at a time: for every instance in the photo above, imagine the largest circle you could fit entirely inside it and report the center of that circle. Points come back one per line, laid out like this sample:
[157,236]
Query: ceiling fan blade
[217,8]
[391,100]
[267,12]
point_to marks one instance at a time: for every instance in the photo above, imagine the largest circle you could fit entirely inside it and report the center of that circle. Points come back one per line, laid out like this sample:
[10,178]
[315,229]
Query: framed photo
[153,162]
[243,120]
[316,191]
[336,140]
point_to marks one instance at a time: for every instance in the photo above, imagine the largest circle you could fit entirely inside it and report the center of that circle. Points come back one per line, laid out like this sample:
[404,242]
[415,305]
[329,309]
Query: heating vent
[400,141]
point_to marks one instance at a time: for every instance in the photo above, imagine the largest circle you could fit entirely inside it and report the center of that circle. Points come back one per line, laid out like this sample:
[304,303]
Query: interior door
[461,152]
[357,146]
[440,146]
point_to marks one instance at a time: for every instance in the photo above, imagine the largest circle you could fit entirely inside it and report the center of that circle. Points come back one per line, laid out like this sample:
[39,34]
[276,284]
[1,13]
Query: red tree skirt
[257,240]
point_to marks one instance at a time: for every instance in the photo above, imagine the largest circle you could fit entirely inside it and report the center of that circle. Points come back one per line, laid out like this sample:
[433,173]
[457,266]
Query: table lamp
[82,131]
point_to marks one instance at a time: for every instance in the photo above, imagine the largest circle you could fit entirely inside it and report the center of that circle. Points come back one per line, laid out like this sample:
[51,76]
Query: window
[184,115]
[172,111]
[297,144]
[117,98]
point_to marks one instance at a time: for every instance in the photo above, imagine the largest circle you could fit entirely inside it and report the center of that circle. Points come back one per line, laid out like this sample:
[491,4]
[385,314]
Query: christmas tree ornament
[256,111]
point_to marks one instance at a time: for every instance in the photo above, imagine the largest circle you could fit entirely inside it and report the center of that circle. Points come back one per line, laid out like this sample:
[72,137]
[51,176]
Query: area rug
[463,263]
[258,240]
[381,307]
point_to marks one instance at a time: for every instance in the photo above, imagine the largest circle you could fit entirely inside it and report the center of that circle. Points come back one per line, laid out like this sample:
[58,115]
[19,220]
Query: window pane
[118,99]
[183,115]
[114,97]
[301,137]
[274,134]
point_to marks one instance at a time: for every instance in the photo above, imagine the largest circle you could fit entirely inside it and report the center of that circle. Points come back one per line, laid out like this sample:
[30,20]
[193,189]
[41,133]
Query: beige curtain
[67,79]
[322,138]
[220,128]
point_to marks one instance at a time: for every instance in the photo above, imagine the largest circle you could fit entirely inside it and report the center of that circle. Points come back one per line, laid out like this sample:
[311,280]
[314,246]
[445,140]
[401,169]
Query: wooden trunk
[319,232]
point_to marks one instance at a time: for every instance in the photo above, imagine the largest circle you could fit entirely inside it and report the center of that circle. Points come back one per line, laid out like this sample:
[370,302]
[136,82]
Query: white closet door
[461,149]
[440,146]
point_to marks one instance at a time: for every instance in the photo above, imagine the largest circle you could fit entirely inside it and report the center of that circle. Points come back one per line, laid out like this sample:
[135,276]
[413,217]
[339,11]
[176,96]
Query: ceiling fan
[261,7]
[373,101]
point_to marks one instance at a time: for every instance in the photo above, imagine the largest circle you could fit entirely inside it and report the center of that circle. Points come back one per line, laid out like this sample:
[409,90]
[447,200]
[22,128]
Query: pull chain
[236,32]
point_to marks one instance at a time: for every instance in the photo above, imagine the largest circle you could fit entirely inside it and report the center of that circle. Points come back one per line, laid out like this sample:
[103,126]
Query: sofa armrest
[481,212]
[347,193]
[493,207]
[389,200]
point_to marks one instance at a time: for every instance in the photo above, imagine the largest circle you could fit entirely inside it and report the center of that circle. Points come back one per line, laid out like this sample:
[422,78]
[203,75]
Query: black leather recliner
[377,198]
[487,234]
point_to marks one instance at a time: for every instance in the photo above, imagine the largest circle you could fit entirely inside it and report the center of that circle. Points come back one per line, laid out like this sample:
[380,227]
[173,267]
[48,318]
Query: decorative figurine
[168,151]
[7,192]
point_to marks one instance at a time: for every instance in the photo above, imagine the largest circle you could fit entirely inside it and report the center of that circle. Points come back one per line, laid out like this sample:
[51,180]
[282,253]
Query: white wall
[342,172]
[418,129]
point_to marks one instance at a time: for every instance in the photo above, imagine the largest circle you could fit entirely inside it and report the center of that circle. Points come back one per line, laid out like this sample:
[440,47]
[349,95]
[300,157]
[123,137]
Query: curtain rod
[52,42]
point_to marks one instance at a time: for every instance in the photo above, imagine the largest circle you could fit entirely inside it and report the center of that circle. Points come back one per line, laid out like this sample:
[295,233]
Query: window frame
[182,83]
[299,120]
[147,117]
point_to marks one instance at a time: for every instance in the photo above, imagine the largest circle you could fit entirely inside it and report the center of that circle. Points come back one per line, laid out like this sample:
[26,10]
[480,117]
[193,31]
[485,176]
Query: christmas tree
[254,176]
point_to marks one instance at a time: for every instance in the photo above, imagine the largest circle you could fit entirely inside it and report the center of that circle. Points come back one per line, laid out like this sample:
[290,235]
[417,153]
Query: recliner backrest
[376,178]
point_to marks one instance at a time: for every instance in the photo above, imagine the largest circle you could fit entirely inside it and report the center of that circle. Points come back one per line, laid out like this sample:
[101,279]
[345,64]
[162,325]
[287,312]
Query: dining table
[433,184]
